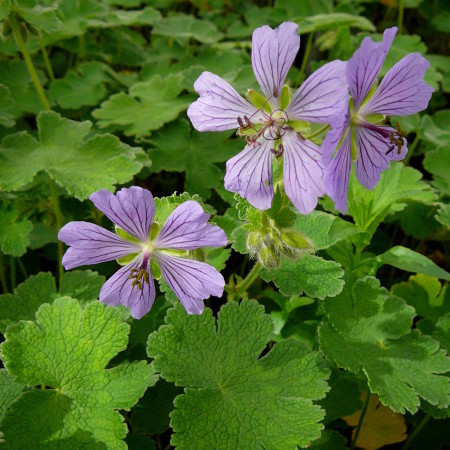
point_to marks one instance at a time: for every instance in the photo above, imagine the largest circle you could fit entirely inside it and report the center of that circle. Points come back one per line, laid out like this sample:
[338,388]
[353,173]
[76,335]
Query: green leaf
[40,17]
[67,350]
[330,21]
[442,331]
[84,285]
[437,162]
[397,185]
[443,214]
[14,75]
[429,298]
[14,232]
[9,392]
[406,259]
[435,133]
[312,275]
[81,87]
[196,158]
[330,440]
[6,104]
[232,398]
[148,106]
[369,331]
[324,229]
[183,27]
[79,164]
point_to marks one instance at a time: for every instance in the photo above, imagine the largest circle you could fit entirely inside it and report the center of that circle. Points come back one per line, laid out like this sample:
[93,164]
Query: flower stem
[400,16]
[12,272]
[59,221]
[316,133]
[249,279]
[29,63]
[48,65]
[2,276]
[361,419]
[416,431]
[305,58]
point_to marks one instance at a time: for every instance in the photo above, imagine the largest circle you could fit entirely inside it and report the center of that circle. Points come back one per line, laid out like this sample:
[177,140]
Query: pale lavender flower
[360,134]
[139,241]
[272,124]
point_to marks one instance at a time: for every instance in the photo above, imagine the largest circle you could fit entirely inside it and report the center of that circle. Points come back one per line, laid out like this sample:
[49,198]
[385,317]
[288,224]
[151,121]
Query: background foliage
[349,346]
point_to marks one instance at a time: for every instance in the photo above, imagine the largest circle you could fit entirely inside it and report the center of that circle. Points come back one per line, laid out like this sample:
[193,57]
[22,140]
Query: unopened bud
[268,258]
[254,242]
[6,28]
[296,240]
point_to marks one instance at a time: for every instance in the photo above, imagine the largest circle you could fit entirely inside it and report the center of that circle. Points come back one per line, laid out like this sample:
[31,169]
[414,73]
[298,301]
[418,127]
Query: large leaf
[14,231]
[67,350]
[79,163]
[232,398]
[369,331]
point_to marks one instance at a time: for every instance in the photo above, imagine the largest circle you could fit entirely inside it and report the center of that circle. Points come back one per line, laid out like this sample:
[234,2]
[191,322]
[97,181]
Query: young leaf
[67,349]
[369,331]
[196,158]
[234,399]
[398,184]
[323,22]
[312,275]
[79,164]
[84,285]
[148,106]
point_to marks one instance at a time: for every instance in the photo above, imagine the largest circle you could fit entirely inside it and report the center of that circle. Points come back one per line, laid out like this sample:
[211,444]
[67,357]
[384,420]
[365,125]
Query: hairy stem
[361,419]
[59,221]
[416,431]
[248,280]
[28,62]
[305,58]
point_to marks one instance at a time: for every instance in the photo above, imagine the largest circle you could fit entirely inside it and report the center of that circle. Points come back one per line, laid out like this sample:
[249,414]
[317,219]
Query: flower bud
[296,240]
[268,258]
[254,242]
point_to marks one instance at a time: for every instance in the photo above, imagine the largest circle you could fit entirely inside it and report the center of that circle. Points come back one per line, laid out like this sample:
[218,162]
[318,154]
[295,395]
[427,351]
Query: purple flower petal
[219,105]
[131,209]
[192,281]
[322,96]
[118,290]
[250,174]
[403,90]
[273,52]
[91,244]
[303,172]
[187,229]
[363,67]
[372,158]
[338,170]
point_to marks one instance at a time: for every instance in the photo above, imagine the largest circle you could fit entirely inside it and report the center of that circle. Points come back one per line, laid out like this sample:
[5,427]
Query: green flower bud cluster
[272,242]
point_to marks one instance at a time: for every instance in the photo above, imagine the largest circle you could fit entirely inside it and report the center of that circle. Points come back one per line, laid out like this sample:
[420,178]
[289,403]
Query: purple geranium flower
[273,124]
[360,134]
[139,241]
